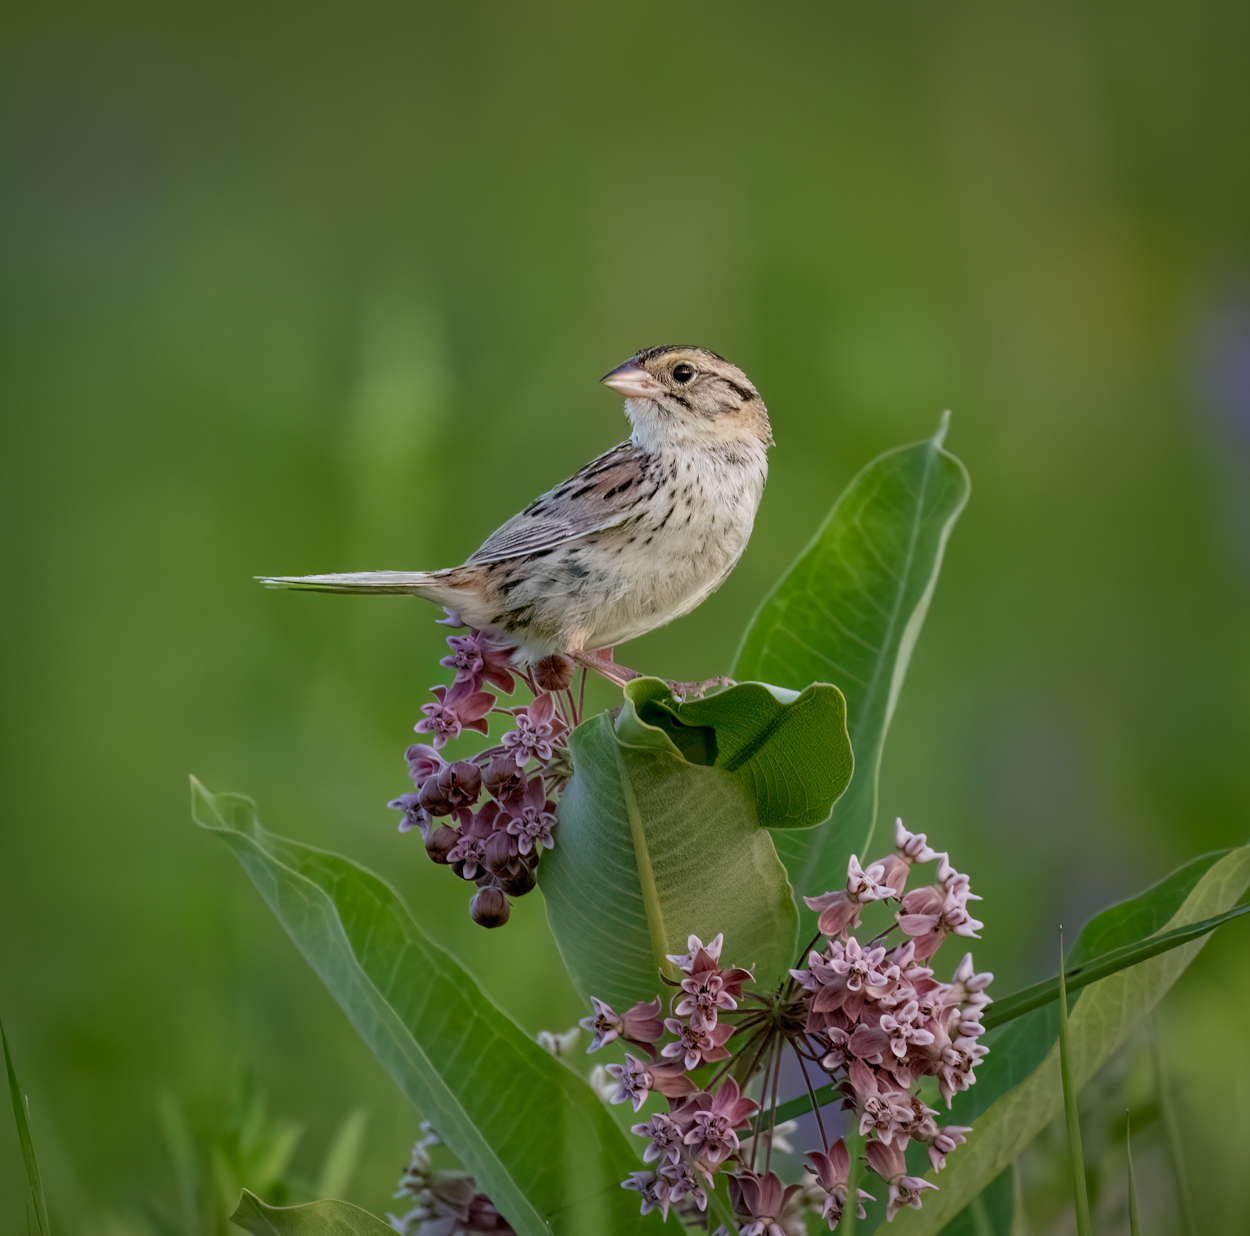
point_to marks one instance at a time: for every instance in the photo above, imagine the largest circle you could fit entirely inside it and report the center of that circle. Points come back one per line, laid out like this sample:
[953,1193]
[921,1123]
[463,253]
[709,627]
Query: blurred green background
[329,287]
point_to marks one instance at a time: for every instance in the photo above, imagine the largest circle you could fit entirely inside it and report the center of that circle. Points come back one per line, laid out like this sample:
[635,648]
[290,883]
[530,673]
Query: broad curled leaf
[533,1134]
[661,830]
[790,748]
[324,1218]
[849,612]
[1018,1091]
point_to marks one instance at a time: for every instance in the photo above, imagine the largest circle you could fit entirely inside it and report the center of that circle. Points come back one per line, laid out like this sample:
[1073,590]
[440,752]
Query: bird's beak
[633,382]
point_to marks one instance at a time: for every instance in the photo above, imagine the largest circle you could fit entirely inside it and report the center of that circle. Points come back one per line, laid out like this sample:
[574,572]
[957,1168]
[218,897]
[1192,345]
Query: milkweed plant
[751,944]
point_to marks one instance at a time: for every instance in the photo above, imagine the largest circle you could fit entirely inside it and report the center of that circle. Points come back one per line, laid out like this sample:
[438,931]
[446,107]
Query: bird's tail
[428,584]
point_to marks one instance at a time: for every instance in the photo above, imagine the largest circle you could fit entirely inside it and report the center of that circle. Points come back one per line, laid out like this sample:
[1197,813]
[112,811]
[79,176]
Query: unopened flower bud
[502,778]
[441,842]
[489,907]
[522,883]
[501,857]
[453,786]
[554,673]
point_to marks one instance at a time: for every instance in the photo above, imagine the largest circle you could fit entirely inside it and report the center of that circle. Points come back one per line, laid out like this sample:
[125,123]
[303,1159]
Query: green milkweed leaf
[535,1137]
[661,835]
[849,612]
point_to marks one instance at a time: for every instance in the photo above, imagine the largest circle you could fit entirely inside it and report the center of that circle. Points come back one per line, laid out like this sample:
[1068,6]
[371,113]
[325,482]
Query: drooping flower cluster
[870,1015]
[493,841]
[447,1202]
[880,1022]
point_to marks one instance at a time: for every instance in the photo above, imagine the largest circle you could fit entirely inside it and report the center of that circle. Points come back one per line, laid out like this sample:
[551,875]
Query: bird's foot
[601,663]
[689,690]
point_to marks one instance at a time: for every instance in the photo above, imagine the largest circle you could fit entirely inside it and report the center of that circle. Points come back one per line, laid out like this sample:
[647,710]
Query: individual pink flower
[459,708]
[944,1141]
[840,911]
[654,1189]
[832,1171]
[537,728]
[888,1162]
[884,1112]
[967,986]
[708,986]
[711,1137]
[956,1071]
[636,1079]
[468,856]
[476,657]
[423,762]
[695,1045]
[667,1138]
[415,815]
[531,817]
[904,1029]
[682,1183]
[686,961]
[760,1200]
[930,913]
[912,847]
[639,1024]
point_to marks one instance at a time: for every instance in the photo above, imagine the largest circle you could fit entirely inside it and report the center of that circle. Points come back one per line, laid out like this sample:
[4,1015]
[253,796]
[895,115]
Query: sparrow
[640,536]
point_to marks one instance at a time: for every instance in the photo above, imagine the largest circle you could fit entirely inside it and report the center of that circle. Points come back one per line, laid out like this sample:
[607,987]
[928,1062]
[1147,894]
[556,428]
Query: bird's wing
[602,495]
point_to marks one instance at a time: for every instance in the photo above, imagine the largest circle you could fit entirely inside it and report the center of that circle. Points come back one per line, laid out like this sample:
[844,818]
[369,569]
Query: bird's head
[685,394]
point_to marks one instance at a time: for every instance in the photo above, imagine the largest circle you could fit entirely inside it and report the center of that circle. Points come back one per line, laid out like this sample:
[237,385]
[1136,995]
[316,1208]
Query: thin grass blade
[343,1157]
[1080,1195]
[1176,1156]
[33,1179]
[1134,1226]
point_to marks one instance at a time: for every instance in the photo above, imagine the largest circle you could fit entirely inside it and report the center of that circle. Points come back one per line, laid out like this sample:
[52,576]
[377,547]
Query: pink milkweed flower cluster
[699,1133]
[871,1015]
[880,1021]
[490,817]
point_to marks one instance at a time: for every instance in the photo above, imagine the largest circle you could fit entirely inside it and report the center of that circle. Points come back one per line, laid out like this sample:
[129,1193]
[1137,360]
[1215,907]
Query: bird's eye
[683,373]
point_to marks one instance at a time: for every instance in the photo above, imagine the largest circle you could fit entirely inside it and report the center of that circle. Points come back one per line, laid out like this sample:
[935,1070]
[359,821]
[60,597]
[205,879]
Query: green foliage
[661,833]
[245,1147]
[991,1213]
[790,749]
[33,1179]
[531,1132]
[324,1218]
[1017,1090]
[849,612]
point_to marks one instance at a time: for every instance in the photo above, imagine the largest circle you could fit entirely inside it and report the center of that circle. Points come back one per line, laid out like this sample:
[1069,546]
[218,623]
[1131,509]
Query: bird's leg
[684,690]
[601,662]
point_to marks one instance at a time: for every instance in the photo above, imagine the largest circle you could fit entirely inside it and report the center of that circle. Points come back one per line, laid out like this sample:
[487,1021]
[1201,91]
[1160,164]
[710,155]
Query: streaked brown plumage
[638,537]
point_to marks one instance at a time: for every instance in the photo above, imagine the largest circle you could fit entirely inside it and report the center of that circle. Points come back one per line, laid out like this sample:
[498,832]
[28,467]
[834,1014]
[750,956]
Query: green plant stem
[1030,998]
[850,1216]
[1080,1196]
[1134,1226]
